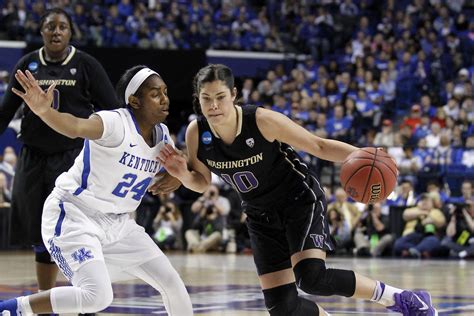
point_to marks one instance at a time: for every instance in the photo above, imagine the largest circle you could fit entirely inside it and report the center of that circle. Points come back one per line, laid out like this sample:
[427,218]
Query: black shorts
[34,180]
[281,231]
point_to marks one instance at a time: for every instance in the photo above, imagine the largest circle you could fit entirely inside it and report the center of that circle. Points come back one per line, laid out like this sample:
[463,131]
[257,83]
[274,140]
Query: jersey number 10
[242,181]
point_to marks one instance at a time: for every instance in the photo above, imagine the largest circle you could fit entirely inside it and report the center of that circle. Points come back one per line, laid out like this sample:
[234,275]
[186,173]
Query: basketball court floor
[222,284]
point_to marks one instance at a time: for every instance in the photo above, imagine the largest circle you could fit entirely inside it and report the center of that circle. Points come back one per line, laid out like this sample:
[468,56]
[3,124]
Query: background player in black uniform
[82,87]
[251,149]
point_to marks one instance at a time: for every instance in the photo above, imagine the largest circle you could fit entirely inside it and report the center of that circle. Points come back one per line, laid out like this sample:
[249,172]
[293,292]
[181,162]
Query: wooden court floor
[221,284]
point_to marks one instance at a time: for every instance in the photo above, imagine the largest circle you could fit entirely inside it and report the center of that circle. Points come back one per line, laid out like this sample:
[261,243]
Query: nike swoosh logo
[133,145]
[273,307]
[425,307]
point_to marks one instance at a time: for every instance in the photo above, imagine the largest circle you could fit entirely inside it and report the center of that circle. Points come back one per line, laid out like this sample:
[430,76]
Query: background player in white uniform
[86,226]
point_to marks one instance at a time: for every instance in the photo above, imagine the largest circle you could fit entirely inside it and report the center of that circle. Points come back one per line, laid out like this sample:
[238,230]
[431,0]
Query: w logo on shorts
[82,255]
[318,240]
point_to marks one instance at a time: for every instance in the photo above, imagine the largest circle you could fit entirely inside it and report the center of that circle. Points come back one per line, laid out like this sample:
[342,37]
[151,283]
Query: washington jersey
[82,87]
[111,174]
[263,172]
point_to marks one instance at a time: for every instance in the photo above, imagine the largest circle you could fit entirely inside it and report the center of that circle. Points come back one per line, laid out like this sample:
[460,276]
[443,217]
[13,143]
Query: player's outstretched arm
[276,126]
[39,102]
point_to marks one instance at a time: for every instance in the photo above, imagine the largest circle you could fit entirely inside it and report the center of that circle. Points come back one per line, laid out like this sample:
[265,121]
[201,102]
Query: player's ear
[233,93]
[134,102]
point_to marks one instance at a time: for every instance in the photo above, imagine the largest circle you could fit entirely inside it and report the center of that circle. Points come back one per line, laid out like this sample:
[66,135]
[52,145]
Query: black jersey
[82,87]
[263,173]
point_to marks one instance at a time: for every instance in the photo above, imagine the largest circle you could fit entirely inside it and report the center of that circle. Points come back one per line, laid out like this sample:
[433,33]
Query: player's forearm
[194,181]
[63,123]
[334,150]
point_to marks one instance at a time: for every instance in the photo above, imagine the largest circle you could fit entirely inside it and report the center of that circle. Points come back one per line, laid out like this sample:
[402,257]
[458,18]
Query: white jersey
[111,174]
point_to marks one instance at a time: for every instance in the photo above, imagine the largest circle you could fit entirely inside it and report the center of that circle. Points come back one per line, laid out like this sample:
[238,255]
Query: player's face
[216,100]
[155,99]
[56,33]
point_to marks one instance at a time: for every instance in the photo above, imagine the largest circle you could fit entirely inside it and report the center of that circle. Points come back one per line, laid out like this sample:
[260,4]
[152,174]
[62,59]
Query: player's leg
[308,247]
[271,256]
[28,196]
[91,292]
[134,248]
[160,274]
[46,269]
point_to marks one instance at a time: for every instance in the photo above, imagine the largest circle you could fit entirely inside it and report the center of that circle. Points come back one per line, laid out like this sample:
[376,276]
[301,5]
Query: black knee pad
[313,277]
[284,301]
[42,255]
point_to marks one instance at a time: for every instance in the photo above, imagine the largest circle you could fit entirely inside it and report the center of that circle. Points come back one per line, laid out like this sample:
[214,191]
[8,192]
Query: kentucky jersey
[112,176]
[262,172]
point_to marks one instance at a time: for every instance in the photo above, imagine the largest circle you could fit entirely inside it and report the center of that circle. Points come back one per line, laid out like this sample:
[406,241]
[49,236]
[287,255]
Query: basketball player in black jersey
[252,149]
[82,87]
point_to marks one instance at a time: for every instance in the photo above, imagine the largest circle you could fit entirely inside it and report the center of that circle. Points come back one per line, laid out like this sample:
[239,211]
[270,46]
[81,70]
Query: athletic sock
[384,294]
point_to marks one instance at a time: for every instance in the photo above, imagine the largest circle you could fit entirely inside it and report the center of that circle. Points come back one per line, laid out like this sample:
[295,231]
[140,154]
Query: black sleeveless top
[263,173]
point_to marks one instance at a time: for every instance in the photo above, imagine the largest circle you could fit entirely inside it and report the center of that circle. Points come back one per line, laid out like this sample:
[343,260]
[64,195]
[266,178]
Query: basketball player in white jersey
[86,224]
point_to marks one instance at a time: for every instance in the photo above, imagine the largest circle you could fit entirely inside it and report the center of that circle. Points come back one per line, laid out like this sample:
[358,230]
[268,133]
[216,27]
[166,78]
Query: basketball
[369,175]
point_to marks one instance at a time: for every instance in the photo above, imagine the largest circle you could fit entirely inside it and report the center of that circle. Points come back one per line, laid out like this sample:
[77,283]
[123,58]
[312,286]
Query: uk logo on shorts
[206,138]
[82,255]
[318,240]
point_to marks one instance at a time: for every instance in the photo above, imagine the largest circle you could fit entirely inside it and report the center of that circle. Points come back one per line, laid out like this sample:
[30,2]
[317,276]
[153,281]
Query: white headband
[137,81]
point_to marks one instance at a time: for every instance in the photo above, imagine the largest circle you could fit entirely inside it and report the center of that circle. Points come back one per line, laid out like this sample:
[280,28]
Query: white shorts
[75,237]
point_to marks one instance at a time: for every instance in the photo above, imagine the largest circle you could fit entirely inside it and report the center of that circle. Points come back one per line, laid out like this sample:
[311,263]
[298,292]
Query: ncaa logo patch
[206,138]
[73,71]
[33,66]
[250,142]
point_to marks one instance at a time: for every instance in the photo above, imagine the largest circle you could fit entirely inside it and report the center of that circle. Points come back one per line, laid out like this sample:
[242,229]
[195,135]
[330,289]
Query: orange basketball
[369,175]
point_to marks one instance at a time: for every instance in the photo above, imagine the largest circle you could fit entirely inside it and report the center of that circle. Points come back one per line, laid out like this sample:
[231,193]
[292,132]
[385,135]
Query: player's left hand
[164,183]
[38,101]
[173,161]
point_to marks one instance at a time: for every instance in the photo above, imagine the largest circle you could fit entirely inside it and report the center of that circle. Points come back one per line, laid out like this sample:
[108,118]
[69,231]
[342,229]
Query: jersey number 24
[124,187]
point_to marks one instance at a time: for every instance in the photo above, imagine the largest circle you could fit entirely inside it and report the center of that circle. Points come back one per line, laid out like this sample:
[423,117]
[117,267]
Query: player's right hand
[37,100]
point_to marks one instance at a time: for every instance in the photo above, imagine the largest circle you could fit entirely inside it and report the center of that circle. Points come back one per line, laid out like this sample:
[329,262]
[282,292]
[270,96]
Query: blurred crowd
[392,74]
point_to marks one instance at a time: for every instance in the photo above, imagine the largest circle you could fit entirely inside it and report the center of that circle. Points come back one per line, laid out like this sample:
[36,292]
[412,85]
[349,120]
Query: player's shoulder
[85,57]
[30,61]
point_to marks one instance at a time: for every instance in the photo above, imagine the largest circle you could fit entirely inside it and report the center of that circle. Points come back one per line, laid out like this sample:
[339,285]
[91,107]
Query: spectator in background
[414,118]
[349,211]
[372,235]
[5,194]
[468,153]
[409,165]
[211,210]
[386,137]
[167,224]
[3,83]
[460,231]
[339,229]
[466,194]
[420,235]
[433,139]
[46,154]
[404,195]
[442,154]
[8,166]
